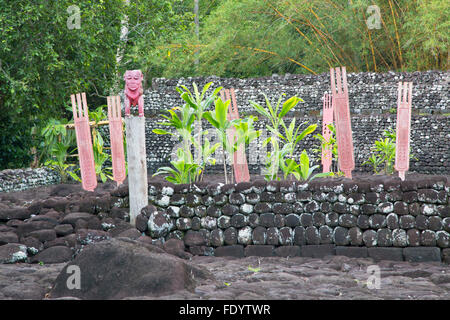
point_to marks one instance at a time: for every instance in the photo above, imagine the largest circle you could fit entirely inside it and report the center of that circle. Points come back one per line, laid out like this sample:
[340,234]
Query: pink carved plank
[343,126]
[240,166]
[116,136]
[404,104]
[84,142]
[327,155]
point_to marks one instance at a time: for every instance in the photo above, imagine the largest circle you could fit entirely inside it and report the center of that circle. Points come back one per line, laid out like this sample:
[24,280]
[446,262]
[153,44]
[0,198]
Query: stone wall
[377,217]
[430,143]
[369,93]
[22,179]
[372,99]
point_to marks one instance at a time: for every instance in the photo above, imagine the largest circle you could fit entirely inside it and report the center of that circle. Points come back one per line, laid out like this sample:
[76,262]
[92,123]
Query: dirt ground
[330,278]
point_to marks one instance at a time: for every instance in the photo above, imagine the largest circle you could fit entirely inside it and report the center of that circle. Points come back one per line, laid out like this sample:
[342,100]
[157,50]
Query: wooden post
[327,155]
[403,128]
[341,109]
[116,139]
[137,165]
[240,165]
[84,142]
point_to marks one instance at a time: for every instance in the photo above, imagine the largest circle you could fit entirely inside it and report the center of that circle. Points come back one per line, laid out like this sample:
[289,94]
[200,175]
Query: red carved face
[133,79]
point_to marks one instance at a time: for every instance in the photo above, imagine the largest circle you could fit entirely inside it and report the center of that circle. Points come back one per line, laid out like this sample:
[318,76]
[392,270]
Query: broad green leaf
[161,131]
[288,105]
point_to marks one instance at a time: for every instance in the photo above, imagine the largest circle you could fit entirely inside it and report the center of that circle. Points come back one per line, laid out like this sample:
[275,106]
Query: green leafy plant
[183,120]
[182,172]
[284,145]
[183,123]
[55,131]
[199,103]
[275,116]
[303,171]
[255,270]
[64,169]
[206,151]
[218,119]
[330,143]
[383,153]
[57,143]
[292,137]
[100,156]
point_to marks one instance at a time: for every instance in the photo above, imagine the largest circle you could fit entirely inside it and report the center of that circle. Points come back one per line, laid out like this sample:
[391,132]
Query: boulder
[12,253]
[57,254]
[63,190]
[44,235]
[63,229]
[194,238]
[141,222]
[119,268]
[18,213]
[131,233]
[176,247]
[85,236]
[73,217]
[159,224]
[8,237]
[24,291]
[32,244]
[119,227]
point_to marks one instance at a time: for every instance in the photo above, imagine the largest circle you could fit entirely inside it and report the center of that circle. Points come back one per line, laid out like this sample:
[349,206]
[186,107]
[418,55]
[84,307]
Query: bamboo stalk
[275,54]
[299,31]
[396,35]
[316,30]
[394,59]
[370,42]
[248,48]
[326,35]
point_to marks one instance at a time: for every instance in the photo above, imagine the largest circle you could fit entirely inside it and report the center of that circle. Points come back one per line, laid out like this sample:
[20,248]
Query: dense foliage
[45,57]
[260,37]
[43,60]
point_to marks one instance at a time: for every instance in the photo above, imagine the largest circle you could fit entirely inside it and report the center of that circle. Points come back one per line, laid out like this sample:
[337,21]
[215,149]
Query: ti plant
[183,119]
[244,133]
[284,145]
[292,137]
[275,117]
[182,172]
[206,152]
[199,103]
[383,153]
[303,171]
[182,122]
[331,143]
[218,119]
[57,142]
[100,156]
[58,162]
